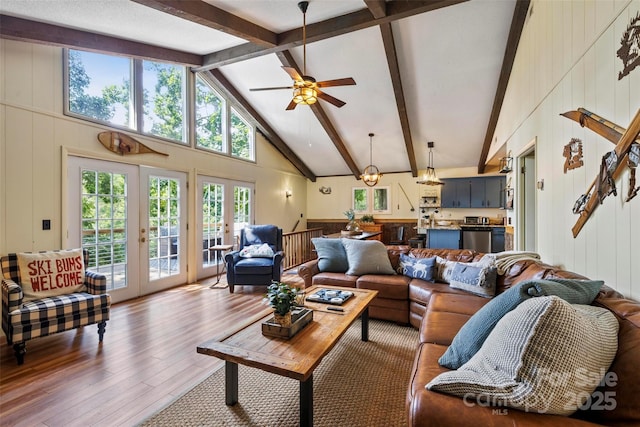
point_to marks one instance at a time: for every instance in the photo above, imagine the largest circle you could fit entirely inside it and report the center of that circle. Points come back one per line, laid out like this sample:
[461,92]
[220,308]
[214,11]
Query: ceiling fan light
[305,95]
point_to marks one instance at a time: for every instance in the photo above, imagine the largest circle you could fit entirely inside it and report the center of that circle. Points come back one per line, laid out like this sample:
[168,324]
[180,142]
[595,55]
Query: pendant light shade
[430,177]
[371,175]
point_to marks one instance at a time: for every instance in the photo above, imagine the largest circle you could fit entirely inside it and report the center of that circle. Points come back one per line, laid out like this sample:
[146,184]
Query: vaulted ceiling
[425,70]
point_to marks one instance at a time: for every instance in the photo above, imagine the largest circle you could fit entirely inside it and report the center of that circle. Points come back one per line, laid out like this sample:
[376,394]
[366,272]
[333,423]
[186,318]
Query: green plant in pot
[367,219]
[282,298]
[352,226]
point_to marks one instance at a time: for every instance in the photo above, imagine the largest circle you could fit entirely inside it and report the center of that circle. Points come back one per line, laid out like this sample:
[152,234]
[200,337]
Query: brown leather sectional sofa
[439,312]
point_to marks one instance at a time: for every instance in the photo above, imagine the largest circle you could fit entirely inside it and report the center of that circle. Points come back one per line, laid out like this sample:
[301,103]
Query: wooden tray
[299,319]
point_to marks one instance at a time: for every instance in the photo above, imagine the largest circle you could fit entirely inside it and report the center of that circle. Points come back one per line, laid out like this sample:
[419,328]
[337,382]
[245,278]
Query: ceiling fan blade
[293,73]
[337,82]
[291,105]
[270,88]
[330,99]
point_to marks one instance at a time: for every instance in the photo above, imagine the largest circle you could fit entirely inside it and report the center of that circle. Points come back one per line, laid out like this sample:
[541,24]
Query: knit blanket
[505,260]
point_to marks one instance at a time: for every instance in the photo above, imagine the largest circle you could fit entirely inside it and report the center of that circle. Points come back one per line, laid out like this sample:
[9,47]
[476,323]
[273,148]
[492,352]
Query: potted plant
[352,226]
[282,298]
[367,219]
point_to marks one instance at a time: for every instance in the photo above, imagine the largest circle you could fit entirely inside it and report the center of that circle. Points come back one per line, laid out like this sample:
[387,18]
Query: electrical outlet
[46,224]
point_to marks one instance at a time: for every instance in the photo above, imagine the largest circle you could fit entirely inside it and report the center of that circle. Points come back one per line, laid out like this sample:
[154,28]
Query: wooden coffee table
[293,358]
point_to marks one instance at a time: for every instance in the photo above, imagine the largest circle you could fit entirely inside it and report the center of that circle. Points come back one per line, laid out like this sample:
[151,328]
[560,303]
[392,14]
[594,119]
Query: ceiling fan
[306,90]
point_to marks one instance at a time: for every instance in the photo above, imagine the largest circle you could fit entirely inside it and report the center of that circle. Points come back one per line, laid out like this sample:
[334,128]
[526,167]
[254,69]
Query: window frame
[369,197]
[189,132]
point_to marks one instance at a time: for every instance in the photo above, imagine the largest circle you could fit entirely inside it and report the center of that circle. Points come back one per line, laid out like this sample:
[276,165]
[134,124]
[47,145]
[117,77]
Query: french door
[131,219]
[224,208]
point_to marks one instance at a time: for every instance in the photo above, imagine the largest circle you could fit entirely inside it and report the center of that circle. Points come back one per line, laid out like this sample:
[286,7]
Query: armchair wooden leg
[230,289]
[20,349]
[101,328]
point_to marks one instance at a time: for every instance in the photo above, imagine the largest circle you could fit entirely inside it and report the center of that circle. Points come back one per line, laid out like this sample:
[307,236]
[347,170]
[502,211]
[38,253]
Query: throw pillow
[417,268]
[444,269]
[545,356]
[331,255]
[49,274]
[478,280]
[470,337]
[257,251]
[367,257]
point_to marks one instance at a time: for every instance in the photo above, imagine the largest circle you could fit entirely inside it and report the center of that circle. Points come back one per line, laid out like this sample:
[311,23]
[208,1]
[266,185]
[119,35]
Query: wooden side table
[219,250]
[373,228]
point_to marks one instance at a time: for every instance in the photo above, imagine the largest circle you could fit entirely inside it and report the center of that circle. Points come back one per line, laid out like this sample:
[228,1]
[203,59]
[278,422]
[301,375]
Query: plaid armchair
[25,320]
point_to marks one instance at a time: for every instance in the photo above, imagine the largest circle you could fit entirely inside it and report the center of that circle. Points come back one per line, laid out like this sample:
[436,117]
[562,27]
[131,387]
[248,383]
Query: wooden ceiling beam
[378,8]
[324,30]
[287,60]
[230,91]
[24,30]
[203,13]
[517,24]
[396,80]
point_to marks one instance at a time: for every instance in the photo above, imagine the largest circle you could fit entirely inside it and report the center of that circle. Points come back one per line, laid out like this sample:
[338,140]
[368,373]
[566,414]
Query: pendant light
[430,177]
[371,175]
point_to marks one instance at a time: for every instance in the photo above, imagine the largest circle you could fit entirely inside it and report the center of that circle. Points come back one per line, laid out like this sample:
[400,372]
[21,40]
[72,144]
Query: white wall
[35,137]
[567,59]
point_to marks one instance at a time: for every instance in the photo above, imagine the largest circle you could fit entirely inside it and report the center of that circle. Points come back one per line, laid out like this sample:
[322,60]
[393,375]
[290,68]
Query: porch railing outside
[298,248]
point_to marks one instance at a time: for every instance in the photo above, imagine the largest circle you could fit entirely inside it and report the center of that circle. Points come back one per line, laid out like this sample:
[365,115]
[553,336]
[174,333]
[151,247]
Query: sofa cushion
[471,336]
[544,356]
[367,257]
[389,287]
[476,279]
[334,279]
[331,255]
[417,268]
[51,273]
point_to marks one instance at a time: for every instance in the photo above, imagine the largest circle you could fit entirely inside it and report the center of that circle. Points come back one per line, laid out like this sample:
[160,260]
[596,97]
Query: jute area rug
[357,384]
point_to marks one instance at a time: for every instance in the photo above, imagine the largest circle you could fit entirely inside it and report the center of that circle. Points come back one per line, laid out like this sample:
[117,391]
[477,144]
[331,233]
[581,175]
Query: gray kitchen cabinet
[477,192]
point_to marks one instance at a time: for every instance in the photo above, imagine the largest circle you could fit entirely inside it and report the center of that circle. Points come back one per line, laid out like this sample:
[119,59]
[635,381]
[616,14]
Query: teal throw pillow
[367,257]
[472,335]
[331,255]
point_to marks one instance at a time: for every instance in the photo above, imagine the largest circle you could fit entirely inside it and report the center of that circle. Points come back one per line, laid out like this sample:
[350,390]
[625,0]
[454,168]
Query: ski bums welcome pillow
[49,274]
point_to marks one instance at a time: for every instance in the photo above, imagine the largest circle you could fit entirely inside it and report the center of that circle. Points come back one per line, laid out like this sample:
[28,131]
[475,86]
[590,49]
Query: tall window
[100,87]
[151,97]
[164,104]
[210,115]
[241,137]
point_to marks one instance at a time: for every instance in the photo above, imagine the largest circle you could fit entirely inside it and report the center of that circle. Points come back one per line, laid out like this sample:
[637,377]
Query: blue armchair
[245,267]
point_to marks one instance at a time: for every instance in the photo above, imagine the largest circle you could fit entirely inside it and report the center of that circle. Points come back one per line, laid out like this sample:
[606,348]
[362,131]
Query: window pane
[100,87]
[360,200]
[209,117]
[241,137]
[164,89]
[381,200]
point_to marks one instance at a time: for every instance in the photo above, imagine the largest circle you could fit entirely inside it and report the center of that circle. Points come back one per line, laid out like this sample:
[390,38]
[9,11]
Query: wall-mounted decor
[629,51]
[121,143]
[508,198]
[610,167]
[573,155]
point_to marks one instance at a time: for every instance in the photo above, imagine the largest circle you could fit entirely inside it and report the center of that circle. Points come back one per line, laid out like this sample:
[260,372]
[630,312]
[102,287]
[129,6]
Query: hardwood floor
[147,359]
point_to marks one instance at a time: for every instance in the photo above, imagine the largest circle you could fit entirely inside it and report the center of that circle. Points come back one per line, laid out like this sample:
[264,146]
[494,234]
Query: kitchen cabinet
[479,192]
[443,239]
[456,193]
